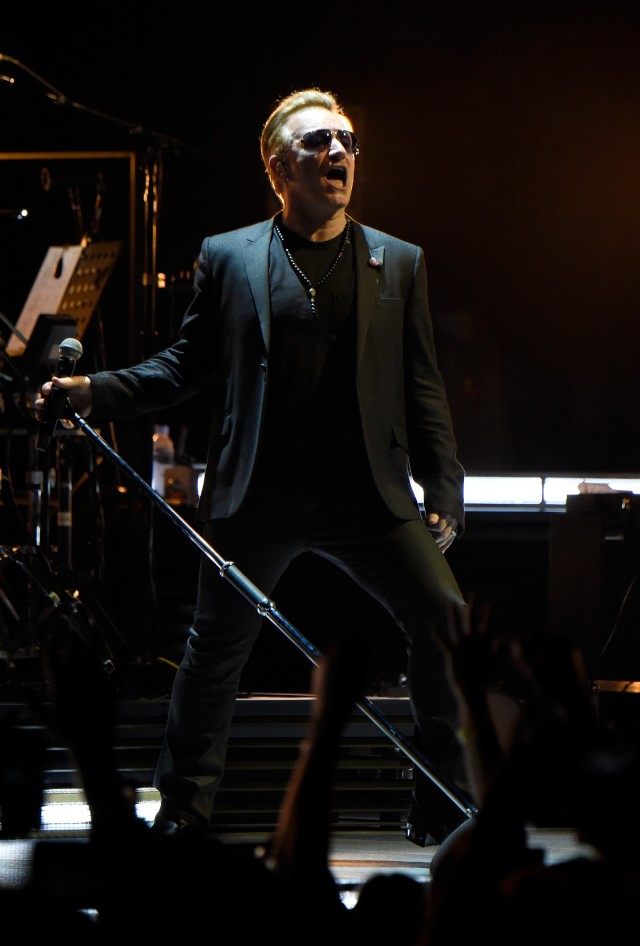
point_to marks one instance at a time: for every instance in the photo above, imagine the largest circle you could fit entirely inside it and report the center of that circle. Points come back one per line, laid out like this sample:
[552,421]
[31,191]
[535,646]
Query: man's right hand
[78,389]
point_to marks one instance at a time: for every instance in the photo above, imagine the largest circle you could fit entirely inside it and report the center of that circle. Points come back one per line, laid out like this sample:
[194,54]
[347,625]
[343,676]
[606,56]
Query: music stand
[89,278]
[69,284]
[41,352]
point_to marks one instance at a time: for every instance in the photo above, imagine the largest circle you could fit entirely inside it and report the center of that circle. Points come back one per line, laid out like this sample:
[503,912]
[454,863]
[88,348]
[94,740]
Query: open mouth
[337,174]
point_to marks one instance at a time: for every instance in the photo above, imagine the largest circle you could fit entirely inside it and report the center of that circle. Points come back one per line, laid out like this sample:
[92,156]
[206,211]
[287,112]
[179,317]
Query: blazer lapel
[369,263]
[256,261]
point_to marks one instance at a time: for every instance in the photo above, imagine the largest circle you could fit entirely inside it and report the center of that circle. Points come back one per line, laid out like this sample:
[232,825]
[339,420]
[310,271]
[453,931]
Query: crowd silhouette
[556,766]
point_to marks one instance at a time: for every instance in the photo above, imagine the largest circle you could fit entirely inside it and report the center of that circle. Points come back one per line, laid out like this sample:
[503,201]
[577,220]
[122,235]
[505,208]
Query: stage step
[373,780]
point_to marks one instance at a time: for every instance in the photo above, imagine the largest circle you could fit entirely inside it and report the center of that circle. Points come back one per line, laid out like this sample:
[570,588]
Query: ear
[278,167]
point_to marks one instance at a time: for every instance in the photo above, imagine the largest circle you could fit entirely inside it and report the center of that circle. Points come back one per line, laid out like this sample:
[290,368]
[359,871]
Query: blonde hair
[273,139]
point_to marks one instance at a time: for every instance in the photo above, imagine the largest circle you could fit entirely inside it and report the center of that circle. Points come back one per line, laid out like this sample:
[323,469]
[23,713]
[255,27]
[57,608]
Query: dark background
[504,138]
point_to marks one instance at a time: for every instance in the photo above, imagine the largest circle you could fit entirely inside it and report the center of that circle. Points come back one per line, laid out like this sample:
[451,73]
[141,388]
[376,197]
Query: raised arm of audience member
[301,839]
[535,780]
[472,650]
[83,714]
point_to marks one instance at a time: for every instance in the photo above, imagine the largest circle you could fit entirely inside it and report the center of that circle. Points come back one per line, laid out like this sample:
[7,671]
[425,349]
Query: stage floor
[354,857]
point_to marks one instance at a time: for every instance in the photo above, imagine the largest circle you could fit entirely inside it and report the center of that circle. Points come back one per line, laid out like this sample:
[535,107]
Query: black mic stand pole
[267,608]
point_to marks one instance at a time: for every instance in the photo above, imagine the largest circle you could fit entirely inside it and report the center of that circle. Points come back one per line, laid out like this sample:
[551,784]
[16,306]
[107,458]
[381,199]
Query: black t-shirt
[312,427]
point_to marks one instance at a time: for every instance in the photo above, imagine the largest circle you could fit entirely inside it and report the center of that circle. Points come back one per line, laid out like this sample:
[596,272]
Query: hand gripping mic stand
[267,608]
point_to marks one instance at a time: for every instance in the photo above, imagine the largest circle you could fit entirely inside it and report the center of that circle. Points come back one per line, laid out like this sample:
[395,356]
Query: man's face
[319,167]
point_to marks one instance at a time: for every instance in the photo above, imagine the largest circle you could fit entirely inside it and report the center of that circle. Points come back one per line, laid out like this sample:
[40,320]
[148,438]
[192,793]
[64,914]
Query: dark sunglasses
[320,139]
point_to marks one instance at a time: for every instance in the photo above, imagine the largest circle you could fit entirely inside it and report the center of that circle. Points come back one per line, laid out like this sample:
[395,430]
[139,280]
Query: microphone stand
[153,145]
[267,609]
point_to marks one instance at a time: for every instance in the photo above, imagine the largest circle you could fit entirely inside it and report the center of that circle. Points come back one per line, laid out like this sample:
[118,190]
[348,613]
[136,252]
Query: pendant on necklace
[306,282]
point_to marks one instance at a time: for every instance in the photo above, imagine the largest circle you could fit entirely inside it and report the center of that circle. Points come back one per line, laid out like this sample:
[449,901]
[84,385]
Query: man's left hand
[443,527]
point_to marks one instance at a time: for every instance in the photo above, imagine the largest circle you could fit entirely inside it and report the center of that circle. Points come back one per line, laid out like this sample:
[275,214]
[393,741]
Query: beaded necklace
[306,282]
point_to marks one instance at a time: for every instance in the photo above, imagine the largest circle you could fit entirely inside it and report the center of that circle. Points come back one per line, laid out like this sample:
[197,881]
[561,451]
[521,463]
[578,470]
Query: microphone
[69,351]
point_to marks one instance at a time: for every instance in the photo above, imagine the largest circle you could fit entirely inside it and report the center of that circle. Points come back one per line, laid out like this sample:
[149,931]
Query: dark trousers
[395,561]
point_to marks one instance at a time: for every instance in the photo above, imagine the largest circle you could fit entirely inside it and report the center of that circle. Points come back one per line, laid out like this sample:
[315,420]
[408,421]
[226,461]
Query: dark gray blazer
[226,332]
